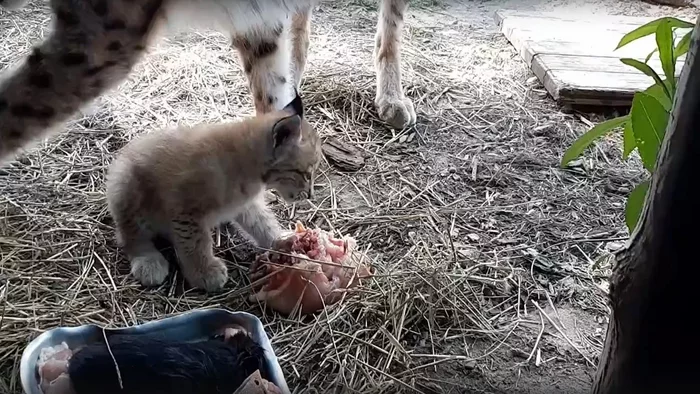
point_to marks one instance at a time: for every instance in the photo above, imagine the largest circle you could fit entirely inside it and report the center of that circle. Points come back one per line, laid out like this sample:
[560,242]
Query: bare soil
[493,261]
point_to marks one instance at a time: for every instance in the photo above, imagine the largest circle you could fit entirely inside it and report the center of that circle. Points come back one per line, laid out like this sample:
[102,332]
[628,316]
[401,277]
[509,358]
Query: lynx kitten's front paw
[398,112]
[210,276]
[151,269]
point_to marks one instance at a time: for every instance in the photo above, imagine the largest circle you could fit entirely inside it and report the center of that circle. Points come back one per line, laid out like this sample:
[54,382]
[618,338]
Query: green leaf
[646,69]
[635,203]
[650,28]
[628,142]
[682,46]
[646,60]
[649,119]
[591,135]
[659,93]
[664,41]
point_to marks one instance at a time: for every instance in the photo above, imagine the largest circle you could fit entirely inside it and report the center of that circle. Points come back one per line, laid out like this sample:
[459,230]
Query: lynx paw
[150,269]
[397,112]
[210,276]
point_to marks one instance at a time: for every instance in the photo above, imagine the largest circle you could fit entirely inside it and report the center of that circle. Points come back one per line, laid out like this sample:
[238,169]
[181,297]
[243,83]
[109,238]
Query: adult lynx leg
[301,27]
[392,106]
[266,62]
[199,266]
[93,46]
[259,222]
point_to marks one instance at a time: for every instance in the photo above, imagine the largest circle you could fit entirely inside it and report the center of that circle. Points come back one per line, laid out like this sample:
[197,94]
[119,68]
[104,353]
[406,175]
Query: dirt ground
[492,260]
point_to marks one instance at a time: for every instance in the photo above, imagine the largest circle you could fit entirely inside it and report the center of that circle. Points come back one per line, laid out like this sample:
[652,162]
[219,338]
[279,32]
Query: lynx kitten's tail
[91,48]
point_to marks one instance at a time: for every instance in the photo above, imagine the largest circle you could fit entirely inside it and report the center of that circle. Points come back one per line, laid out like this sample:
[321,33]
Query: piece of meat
[53,367]
[61,385]
[255,384]
[292,278]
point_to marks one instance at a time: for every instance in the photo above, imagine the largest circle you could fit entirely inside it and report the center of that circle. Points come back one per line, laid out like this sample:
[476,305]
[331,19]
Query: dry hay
[477,236]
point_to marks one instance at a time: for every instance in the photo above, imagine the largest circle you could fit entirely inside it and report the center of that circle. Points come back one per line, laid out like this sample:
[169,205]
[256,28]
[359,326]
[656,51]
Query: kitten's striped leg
[195,254]
[93,46]
[393,107]
[266,61]
[301,28]
[148,265]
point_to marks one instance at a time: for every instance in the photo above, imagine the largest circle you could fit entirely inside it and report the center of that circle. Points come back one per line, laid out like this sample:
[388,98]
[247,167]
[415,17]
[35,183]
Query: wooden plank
[530,48]
[556,62]
[631,21]
[574,39]
[594,42]
[601,88]
[576,58]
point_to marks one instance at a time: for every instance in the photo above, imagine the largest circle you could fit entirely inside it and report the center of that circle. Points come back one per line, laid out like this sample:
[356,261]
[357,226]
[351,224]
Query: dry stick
[537,341]
[116,366]
[562,333]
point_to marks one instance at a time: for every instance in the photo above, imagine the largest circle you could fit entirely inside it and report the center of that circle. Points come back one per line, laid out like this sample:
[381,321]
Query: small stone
[473,237]
[576,163]
[530,252]
[614,246]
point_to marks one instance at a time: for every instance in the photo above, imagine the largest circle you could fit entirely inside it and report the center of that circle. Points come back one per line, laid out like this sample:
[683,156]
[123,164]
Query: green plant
[644,127]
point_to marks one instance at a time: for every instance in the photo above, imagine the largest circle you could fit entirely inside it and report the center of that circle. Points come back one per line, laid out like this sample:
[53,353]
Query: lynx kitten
[180,183]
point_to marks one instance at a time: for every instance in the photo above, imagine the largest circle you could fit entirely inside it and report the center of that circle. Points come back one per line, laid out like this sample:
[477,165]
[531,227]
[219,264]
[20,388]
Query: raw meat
[292,278]
[53,369]
[154,365]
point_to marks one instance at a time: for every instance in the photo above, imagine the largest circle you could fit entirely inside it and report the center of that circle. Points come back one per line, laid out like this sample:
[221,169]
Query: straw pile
[477,237]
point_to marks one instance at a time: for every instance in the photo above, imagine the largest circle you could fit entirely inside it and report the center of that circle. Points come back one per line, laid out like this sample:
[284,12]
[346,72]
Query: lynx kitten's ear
[287,131]
[296,106]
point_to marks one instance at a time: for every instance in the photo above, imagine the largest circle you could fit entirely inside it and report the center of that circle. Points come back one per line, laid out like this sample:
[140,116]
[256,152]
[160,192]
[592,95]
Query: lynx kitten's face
[293,175]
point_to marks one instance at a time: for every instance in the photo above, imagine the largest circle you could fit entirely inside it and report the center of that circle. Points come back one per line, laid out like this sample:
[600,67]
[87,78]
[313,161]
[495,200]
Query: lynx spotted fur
[95,44]
[180,183]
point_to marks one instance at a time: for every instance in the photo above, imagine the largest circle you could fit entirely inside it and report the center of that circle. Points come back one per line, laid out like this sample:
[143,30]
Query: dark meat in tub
[151,365]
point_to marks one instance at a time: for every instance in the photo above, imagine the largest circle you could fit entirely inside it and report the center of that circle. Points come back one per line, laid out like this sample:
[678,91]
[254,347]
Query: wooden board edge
[617,101]
[574,96]
[521,45]
[553,86]
[499,17]
[539,68]
[633,21]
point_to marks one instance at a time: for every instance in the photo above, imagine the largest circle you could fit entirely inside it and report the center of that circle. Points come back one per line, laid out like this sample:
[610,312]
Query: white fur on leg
[392,106]
[273,74]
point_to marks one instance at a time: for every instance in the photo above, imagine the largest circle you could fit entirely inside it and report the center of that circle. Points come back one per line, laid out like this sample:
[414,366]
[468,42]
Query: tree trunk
[653,344]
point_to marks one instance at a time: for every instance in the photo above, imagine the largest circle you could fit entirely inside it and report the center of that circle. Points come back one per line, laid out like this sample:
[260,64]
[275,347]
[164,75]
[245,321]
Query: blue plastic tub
[188,327]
